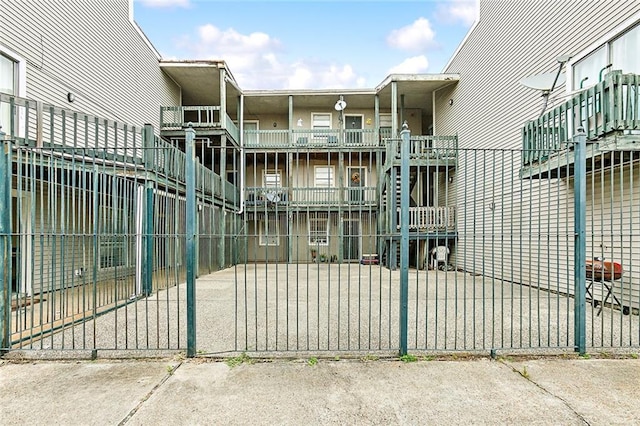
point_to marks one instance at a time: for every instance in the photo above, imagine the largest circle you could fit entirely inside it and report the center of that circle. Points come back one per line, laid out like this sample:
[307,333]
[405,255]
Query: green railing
[198,117]
[610,106]
[311,138]
[427,147]
[74,136]
[303,197]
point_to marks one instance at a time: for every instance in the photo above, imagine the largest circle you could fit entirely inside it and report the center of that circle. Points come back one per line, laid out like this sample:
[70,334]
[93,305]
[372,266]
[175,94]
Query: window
[318,231]
[9,86]
[321,122]
[269,232]
[619,52]
[271,178]
[324,176]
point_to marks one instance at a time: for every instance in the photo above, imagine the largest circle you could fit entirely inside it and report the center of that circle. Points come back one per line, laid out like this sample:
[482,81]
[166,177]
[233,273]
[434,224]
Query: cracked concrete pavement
[544,391]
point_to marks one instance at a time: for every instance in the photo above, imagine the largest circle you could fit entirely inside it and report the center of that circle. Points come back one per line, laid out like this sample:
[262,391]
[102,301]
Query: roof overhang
[199,81]
[414,87]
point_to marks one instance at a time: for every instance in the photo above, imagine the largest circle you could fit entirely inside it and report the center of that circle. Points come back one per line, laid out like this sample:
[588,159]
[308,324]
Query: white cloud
[413,65]
[165,3]
[464,11]
[255,63]
[414,37]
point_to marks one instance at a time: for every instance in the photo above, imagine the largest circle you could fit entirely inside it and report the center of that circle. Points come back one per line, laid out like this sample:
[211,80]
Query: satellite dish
[272,197]
[544,82]
[340,105]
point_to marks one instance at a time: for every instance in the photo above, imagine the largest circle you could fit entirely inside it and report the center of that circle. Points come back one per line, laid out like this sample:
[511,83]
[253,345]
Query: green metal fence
[113,239]
[94,233]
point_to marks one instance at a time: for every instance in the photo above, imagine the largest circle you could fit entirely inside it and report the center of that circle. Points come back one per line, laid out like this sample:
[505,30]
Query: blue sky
[309,44]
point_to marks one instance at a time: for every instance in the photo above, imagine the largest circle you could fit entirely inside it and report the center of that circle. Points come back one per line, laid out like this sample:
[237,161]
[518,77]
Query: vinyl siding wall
[522,230]
[91,49]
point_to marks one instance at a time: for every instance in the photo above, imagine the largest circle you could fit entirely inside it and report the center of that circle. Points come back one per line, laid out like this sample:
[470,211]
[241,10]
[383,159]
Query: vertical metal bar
[580,248]
[190,168]
[404,238]
[147,242]
[5,242]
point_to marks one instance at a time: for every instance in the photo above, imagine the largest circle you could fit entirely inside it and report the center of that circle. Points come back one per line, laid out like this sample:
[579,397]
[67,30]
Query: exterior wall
[91,49]
[489,109]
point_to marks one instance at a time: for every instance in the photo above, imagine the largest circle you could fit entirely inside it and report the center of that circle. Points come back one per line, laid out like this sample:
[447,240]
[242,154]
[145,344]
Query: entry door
[351,239]
[353,125]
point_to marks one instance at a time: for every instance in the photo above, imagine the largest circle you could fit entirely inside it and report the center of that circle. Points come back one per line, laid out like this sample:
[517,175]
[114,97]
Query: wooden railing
[428,147]
[328,197]
[311,138]
[431,218]
[612,105]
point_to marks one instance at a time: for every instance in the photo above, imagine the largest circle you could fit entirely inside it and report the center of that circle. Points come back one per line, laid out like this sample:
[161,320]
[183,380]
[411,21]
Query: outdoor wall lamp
[299,122]
[451,101]
[71,97]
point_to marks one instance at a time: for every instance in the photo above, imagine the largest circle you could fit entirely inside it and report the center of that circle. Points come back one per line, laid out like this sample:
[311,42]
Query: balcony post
[580,246]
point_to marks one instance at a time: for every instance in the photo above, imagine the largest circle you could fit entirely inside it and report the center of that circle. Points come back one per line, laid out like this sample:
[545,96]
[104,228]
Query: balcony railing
[428,147]
[610,106]
[431,218]
[199,117]
[311,138]
[329,197]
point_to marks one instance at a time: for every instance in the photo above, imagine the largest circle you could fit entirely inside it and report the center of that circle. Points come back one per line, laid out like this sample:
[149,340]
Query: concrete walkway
[547,391]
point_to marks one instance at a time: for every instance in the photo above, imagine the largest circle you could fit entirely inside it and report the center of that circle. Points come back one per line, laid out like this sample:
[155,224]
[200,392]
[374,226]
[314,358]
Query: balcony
[312,139]
[427,150]
[609,114]
[430,219]
[177,118]
[310,197]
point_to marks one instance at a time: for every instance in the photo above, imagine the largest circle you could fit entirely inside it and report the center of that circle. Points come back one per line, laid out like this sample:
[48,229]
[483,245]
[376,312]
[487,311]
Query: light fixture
[275,124]
[71,97]
[450,179]
[299,122]
[451,101]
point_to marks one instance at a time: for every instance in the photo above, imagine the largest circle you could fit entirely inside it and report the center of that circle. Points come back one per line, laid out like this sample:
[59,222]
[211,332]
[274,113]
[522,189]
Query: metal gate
[508,281]
[113,239]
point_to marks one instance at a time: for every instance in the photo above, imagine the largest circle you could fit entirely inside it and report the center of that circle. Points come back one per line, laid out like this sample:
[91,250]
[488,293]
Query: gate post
[405,134]
[190,169]
[5,241]
[580,246]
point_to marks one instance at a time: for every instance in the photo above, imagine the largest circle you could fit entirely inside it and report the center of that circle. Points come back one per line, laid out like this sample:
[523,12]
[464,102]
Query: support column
[148,153]
[5,242]
[580,246]
[191,213]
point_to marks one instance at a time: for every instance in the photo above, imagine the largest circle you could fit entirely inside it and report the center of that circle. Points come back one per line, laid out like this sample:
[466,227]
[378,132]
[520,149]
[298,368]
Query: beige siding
[517,229]
[89,48]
